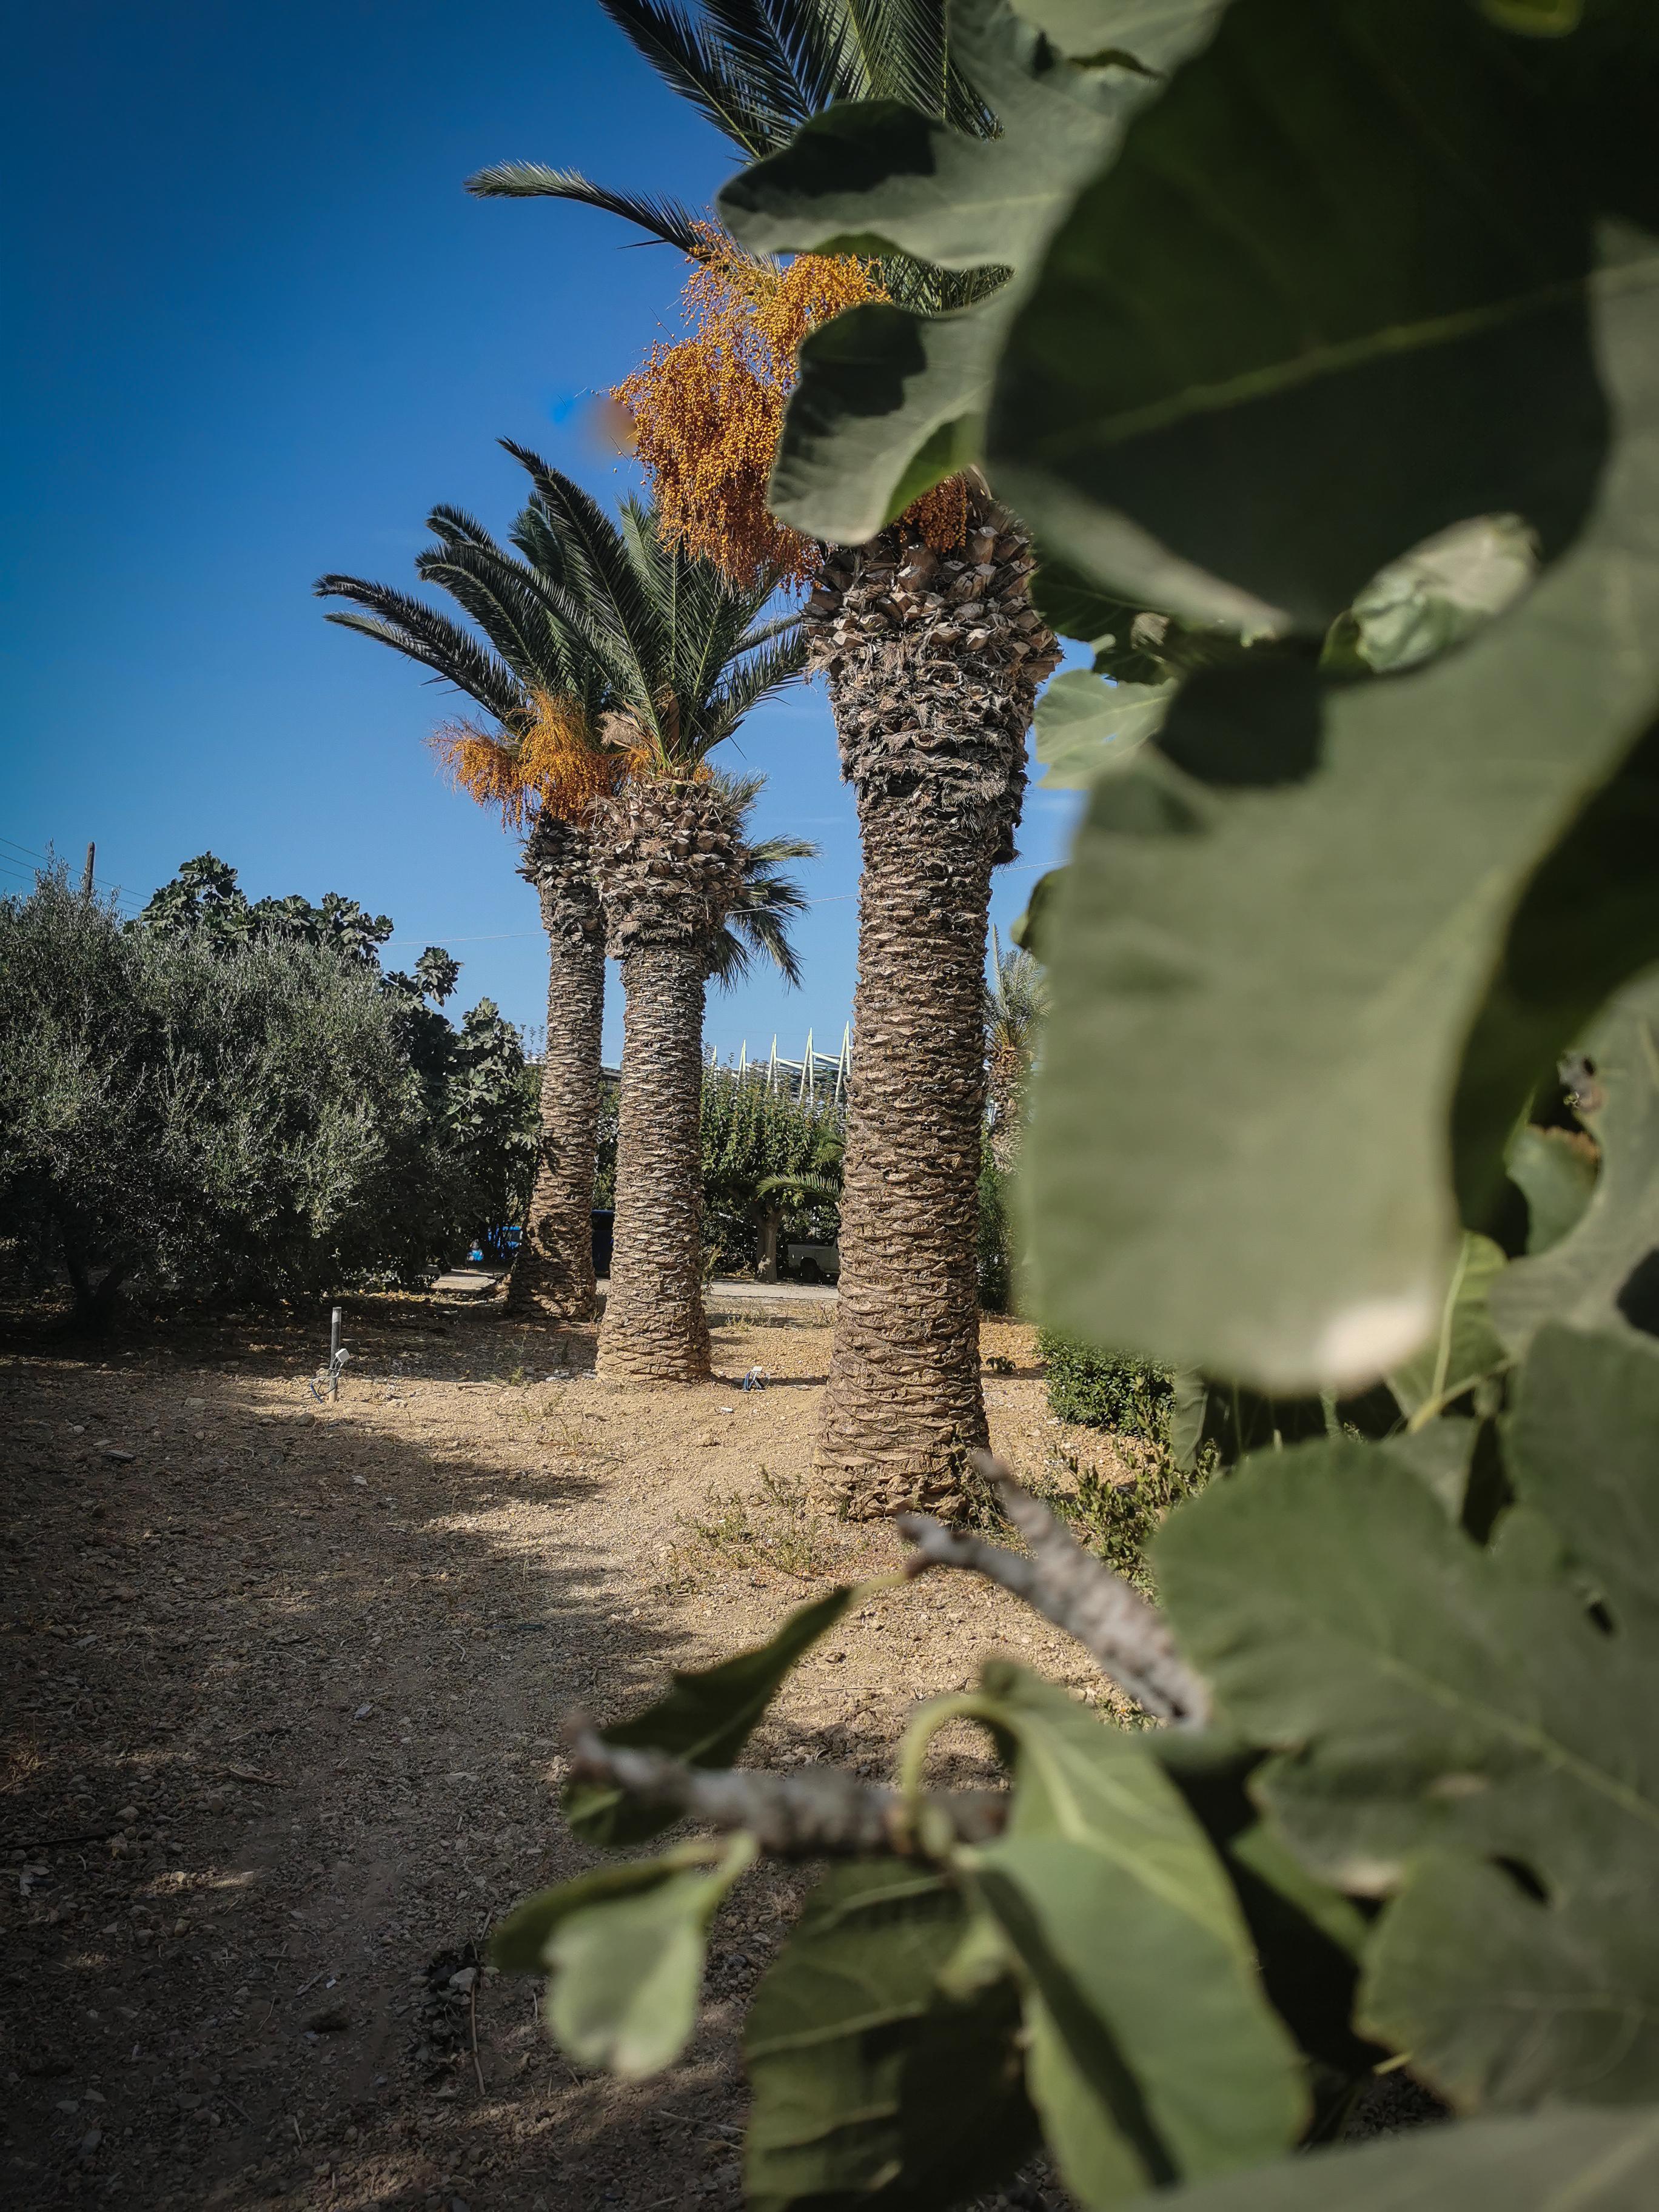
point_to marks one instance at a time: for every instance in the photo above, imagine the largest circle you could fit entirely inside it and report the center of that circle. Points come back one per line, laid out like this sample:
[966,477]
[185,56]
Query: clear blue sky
[254,330]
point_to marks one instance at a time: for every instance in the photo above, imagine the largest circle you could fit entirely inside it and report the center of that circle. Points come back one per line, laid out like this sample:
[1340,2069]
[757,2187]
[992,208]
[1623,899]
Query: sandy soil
[283,1683]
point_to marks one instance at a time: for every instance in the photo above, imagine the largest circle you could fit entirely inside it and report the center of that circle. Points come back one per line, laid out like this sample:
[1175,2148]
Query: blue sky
[254,330]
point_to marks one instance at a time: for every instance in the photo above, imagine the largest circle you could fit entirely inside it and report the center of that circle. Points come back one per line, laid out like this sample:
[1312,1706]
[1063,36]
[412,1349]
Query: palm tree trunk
[552,1275]
[655,1328]
[669,865]
[933,666]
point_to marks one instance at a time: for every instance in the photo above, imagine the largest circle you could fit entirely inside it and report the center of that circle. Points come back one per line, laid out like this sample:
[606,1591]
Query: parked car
[811,1263]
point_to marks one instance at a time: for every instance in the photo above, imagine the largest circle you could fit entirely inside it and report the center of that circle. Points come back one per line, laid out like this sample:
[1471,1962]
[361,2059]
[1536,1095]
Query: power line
[24,873]
[511,936]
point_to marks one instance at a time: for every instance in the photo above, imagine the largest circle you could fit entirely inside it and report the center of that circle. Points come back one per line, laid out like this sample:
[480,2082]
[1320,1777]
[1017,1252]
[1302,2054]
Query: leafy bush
[995,1250]
[1105,1389]
[199,1107]
[768,1161]
[1118,1520]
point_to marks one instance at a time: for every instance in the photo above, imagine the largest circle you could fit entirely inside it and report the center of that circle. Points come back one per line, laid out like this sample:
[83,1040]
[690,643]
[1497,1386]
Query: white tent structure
[815,1079]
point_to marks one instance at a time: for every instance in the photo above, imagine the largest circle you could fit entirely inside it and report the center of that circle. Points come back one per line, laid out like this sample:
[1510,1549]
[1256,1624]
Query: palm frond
[601,571]
[768,631]
[749,935]
[758,68]
[422,633]
[770,851]
[669,222]
[502,607]
[772,669]
[1016,999]
[905,48]
[804,1186]
[728,70]
[454,525]
[758,925]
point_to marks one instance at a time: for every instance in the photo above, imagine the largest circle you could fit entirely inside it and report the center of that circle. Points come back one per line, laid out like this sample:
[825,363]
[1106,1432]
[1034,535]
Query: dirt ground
[282,1686]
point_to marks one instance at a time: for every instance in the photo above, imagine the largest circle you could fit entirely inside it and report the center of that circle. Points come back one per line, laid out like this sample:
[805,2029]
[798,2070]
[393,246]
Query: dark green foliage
[228,1101]
[489,1100]
[1118,1520]
[605,1172]
[1593,2161]
[996,1228]
[1109,1390]
[764,1153]
[854,2043]
[1344,280]
[204,900]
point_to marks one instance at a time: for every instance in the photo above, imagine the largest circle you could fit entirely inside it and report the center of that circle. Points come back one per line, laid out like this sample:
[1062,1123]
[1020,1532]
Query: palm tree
[933,657]
[541,760]
[1016,1002]
[546,673]
[687,895]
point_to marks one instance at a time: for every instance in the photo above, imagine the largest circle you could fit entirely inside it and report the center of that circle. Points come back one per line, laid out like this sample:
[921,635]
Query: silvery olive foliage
[225,1100]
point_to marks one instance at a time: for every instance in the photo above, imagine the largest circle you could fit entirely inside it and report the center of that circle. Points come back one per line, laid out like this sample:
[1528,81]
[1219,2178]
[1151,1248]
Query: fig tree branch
[819,1813]
[1127,1637]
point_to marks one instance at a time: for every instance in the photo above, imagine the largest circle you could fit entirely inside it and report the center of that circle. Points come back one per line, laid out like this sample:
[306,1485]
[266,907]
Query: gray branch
[1129,1639]
[819,1813]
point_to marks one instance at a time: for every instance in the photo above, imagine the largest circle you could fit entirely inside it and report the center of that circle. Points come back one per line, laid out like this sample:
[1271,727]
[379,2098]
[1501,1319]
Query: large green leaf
[1583,1440]
[1556,1175]
[1308,1937]
[705,1719]
[1558,2161]
[1270,377]
[1074,606]
[1594,1276]
[627,1970]
[1152,2051]
[518,1944]
[1466,1347]
[1303,892]
[890,403]
[856,2053]
[1155,34]
[1086,727]
[891,400]
[1588,918]
[1459,1729]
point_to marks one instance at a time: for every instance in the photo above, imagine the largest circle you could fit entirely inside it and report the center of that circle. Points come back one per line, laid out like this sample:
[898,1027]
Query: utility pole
[85,873]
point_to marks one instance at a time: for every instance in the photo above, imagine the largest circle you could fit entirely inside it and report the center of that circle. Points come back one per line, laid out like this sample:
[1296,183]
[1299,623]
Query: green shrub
[1110,1390]
[219,1102]
[765,1152]
[1118,1520]
[995,1254]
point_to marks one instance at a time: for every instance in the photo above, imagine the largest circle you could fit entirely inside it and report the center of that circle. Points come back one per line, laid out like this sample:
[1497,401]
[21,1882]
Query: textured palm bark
[933,665]
[552,1276]
[655,1328]
[669,864]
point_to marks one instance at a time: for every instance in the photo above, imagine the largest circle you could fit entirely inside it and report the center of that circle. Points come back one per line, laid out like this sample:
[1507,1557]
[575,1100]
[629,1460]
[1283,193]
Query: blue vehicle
[496,1247]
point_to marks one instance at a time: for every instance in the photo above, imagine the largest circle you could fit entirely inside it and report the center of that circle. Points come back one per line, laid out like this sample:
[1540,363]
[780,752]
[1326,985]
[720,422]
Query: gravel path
[284,1682]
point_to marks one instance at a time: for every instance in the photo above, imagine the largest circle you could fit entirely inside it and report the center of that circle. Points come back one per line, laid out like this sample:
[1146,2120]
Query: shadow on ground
[284,1683]
[284,1693]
